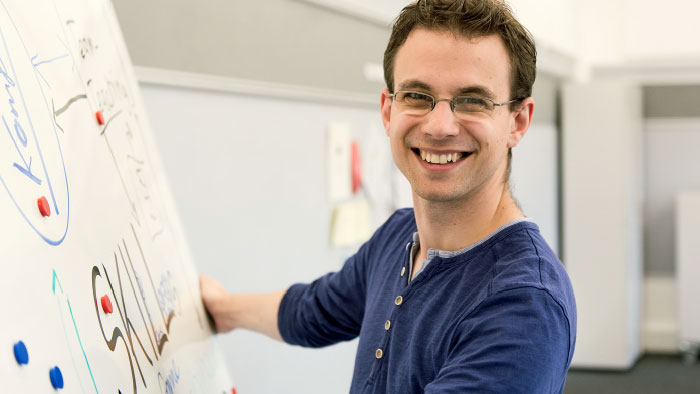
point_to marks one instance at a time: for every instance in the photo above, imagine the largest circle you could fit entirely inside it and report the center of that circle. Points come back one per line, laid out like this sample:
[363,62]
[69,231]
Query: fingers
[214,298]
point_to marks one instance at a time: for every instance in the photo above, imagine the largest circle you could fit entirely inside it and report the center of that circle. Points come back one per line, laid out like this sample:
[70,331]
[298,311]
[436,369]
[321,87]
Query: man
[460,294]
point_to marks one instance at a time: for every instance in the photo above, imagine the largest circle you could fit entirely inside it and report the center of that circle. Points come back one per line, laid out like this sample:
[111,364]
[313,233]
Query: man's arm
[255,312]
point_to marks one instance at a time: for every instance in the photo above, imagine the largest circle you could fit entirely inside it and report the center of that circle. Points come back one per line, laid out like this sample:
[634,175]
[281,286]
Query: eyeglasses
[417,103]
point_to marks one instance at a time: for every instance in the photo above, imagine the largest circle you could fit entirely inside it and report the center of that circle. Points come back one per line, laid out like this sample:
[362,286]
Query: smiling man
[460,294]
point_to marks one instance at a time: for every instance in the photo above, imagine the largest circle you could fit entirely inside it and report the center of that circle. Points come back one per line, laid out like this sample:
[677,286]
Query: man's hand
[216,300]
[256,312]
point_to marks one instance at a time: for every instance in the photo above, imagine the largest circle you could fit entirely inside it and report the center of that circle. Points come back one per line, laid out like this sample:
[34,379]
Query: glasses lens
[415,102]
[472,105]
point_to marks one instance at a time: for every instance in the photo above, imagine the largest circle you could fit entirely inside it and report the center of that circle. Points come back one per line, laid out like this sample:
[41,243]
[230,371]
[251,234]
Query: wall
[639,31]
[553,23]
[281,41]
[602,147]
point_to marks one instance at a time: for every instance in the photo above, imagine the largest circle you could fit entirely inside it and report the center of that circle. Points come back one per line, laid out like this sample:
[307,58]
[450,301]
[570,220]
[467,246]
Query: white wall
[553,23]
[633,31]
[534,182]
[602,219]
[653,30]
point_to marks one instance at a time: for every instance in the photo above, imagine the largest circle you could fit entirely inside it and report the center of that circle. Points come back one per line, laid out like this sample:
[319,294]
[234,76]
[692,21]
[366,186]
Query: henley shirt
[499,317]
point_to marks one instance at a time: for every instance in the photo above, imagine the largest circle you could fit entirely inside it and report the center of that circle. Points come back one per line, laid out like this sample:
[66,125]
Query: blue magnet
[21,354]
[56,377]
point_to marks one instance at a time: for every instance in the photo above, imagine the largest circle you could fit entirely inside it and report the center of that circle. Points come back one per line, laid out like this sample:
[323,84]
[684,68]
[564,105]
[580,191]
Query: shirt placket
[398,302]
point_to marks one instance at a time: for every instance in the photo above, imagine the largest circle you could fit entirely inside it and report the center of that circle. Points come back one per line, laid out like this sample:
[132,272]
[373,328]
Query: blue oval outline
[41,157]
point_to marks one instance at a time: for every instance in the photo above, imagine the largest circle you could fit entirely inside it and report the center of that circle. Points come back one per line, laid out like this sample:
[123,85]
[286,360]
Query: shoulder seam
[549,294]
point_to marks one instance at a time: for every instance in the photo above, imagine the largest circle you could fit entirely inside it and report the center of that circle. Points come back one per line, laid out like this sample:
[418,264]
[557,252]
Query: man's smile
[440,157]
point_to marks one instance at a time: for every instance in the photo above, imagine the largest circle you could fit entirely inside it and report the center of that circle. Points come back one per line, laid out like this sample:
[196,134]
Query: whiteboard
[112,237]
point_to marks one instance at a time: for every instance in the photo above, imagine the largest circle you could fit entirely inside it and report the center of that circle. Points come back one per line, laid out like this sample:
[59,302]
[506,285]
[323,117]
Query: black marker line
[126,191]
[134,159]
[150,278]
[108,121]
[53,108]
[133,290]
[128,326]
[158,340]
[68,104]
[116,333]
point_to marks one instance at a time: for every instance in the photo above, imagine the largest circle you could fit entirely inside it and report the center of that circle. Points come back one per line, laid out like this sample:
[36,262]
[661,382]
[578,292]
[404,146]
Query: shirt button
[387,325]
[403,271]
[398,300]
[379,353]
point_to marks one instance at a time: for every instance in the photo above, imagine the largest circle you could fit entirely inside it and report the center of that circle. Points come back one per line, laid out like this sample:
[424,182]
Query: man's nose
[441,121]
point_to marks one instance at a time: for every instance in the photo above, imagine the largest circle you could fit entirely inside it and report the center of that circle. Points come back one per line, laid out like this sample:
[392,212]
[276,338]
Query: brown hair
[470,18]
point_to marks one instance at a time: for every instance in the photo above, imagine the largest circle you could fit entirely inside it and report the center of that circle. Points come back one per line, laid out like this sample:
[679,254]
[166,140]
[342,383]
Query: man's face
[446,65]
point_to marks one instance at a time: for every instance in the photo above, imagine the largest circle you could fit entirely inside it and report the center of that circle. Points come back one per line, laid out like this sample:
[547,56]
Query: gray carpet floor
[653,374]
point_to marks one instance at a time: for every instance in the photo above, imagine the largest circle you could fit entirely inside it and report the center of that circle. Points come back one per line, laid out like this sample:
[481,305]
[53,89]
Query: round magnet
[21,354]
[56,377]
[44,207]
[106,304]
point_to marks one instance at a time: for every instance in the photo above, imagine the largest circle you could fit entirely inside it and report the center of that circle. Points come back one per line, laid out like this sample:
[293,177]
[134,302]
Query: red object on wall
[44,207]
[356,167]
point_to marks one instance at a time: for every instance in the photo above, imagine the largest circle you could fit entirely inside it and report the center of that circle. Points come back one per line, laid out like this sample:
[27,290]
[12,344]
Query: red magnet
[233,390]
[106,304]
[100,118]
[44,207]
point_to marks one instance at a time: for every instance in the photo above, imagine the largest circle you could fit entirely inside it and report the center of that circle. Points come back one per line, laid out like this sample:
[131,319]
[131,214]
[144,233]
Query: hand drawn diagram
[83,202]
[32,160]
[129,286]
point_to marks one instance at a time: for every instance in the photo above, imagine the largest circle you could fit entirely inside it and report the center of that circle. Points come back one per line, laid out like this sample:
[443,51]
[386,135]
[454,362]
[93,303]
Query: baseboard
[660,315]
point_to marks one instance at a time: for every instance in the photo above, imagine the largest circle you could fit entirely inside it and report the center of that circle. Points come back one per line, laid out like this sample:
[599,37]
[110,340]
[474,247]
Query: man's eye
[471,104]
[415,98]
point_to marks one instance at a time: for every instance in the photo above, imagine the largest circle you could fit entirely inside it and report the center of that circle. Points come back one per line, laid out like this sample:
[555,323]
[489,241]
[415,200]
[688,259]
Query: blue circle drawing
[20,103]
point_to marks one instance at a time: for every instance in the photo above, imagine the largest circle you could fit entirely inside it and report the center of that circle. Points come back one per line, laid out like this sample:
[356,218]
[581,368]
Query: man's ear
[386,103]
[520,122]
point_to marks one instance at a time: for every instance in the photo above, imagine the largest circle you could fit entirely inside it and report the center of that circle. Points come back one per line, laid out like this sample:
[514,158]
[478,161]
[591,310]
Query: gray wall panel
[274,40]
[672,101]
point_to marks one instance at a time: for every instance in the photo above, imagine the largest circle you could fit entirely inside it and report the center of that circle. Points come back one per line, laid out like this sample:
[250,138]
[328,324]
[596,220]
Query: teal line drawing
[75,326]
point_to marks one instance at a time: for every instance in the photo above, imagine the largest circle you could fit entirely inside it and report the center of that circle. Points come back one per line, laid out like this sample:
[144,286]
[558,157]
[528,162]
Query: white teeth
[443,158]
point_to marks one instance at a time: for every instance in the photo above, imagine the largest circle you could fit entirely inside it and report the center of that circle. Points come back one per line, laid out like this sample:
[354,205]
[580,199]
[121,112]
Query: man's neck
[455,225]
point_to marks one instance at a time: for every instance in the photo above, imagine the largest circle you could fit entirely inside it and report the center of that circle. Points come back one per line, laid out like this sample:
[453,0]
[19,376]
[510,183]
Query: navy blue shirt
[498,318]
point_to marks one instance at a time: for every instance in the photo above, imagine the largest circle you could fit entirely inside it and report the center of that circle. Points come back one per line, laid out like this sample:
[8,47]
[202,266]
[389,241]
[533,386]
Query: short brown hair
[470,18]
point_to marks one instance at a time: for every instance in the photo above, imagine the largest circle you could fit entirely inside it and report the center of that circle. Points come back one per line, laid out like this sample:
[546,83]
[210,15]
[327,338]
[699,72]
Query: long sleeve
[328,310]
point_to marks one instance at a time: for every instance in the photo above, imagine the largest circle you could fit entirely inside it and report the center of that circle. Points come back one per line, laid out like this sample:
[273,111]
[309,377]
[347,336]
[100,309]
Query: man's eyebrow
[414,84]
[476,90]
